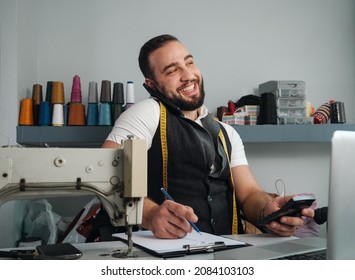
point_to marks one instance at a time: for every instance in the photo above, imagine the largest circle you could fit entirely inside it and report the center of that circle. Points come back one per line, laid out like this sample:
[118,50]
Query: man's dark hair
[149,47]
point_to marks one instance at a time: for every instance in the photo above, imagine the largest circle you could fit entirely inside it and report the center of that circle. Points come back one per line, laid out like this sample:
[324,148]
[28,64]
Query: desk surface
[110,250]
[106,250]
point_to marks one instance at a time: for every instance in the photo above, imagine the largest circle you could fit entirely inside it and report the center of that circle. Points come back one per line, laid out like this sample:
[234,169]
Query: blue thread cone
[92,114]
[49,91]
[44,113]
[105,114]
[65,114]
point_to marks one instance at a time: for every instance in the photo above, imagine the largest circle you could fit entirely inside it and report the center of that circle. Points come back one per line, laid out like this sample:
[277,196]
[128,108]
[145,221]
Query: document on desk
[190,244]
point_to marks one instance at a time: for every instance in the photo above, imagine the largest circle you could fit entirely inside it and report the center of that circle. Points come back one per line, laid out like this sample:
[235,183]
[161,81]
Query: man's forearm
[254,205]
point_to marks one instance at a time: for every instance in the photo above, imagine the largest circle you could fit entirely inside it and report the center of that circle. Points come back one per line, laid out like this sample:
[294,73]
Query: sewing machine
[118,177]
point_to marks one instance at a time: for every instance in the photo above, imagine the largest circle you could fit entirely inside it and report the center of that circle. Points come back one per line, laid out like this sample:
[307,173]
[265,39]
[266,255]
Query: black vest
[192,150]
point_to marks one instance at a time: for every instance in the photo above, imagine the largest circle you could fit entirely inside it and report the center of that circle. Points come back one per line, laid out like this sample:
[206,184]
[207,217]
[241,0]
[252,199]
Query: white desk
[106,250]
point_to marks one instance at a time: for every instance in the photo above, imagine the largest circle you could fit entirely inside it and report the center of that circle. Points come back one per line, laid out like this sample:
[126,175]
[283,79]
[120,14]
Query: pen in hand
[170,198]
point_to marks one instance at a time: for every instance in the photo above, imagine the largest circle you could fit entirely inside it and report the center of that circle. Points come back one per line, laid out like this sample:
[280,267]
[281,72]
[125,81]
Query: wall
[303,167]
[237,44]
[8,71]
[8,95]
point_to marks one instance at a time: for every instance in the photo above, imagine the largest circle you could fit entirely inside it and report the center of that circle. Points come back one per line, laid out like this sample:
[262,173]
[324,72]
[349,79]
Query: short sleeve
[238,156]
[140,121]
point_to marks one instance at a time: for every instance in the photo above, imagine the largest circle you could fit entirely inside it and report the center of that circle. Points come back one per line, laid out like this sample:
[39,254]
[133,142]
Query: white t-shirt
[142,120]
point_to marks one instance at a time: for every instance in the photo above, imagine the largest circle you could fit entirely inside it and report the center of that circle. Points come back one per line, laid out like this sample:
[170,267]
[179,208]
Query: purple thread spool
[76,90]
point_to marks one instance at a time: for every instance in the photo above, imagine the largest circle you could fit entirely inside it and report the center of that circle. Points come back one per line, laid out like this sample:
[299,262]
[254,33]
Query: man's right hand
[169,220]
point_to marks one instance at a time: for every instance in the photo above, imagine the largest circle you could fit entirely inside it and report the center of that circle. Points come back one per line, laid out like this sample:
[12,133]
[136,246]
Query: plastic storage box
[287,88]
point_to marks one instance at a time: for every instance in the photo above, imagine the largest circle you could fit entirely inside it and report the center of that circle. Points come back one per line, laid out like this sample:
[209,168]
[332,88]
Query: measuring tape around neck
[235,212]
[164,145]
[164,150]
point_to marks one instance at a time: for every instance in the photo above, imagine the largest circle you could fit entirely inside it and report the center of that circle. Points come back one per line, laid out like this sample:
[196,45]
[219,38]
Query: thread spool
[231,107]
[65,114]
[105,96]
[92,114]
[105,114]
[129,94]
[57,93]
[76,115]
[75,95]
[267,110]
[93,93]
[58,115]
[337,112]
[118,100]
[221,111]
[322,114]
[49,91]
[118,94]
[117,110]
[44,113]
[26,112]
[35,109]
[37,98]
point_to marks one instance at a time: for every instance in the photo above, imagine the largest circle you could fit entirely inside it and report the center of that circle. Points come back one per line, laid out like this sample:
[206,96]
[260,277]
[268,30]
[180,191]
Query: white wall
[8,98]
[238,44]
[8,71]
[303,167]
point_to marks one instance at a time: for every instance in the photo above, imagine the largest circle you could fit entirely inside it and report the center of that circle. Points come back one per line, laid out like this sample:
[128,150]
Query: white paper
[147,240]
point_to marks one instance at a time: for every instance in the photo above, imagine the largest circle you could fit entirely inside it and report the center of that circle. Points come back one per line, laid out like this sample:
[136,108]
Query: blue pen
[170,198]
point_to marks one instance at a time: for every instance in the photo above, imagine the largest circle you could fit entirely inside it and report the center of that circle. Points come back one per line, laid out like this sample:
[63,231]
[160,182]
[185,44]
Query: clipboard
[192,243]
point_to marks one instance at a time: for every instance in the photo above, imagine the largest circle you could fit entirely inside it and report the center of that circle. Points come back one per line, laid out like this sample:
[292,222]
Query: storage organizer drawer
[291,93]
[294,112]
[296,120]
[291,102]
[286,88]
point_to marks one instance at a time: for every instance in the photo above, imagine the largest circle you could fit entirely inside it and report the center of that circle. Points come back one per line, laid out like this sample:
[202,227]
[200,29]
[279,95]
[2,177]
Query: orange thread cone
[76,114]
[57,93]
[26,112]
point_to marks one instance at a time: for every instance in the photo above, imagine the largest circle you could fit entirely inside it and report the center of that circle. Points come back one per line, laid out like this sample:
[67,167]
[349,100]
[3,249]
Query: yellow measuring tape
[235,212]
[164,150]
[164,145]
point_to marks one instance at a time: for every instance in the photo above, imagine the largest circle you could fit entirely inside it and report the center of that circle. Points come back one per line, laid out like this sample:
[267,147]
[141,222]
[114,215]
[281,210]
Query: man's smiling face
[177,76]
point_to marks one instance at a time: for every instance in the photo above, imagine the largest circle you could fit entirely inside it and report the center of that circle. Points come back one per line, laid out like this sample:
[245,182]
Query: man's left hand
[287,225]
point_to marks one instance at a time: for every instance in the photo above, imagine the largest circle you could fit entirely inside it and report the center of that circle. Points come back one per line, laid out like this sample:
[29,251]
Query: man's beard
[184,105]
